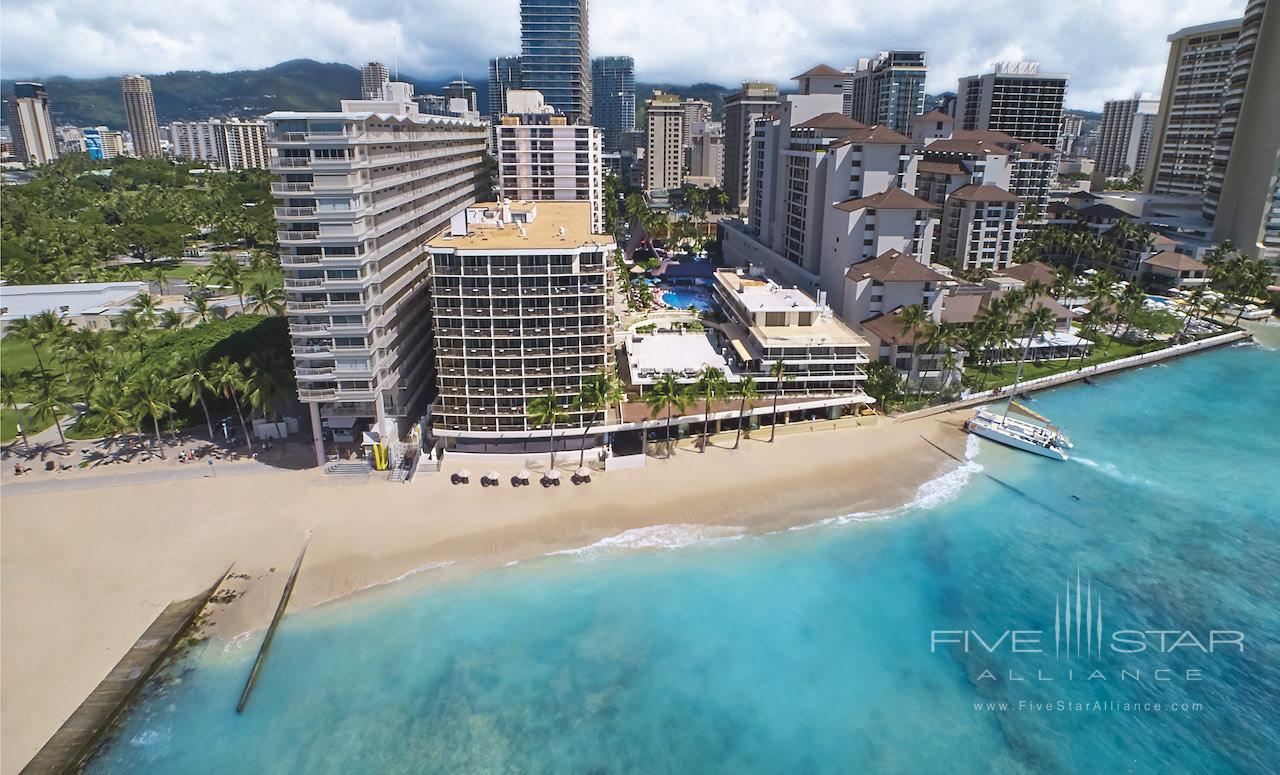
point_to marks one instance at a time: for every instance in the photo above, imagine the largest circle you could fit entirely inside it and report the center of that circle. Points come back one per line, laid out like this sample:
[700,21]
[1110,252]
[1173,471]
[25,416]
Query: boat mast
[1013,389]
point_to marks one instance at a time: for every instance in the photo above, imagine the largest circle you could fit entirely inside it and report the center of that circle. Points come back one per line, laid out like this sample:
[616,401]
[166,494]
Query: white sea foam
[930,495]
[407,574]
[149,737]
[675,536]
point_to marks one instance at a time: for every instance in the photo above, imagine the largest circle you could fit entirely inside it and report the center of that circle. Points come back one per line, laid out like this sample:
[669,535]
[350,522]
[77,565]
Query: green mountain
[301,84]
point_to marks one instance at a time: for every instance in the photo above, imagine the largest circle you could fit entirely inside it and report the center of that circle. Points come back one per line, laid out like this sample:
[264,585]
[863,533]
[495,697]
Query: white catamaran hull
[1019,435]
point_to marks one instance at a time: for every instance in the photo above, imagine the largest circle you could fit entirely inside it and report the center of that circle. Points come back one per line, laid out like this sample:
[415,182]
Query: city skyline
[1109,54]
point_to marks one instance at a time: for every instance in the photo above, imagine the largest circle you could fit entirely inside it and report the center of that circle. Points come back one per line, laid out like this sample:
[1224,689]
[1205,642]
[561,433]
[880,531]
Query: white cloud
[1110,49]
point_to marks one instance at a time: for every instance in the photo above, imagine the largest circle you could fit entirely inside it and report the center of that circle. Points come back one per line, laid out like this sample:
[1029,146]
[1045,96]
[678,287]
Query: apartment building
[1069,134]
[357,193]
[664,146]
[1023,168]
[1195,79]
[554,56]
[613,98]
[140,110]
[544,158]
[31,125]
[459,89]
[1014,98]
[231,144]
[978,228]
[887,89]
[373,76]
[706,154]
[695,112]
[504,75]
[741,109]
[1246,210]
[1125,137]
[768,323]
[520,293]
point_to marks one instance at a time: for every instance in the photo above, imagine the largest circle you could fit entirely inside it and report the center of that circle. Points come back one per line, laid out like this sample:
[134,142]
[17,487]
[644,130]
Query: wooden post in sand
[271,631]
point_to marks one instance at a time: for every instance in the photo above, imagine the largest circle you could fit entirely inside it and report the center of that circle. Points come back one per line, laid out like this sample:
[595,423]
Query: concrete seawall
[1054,380]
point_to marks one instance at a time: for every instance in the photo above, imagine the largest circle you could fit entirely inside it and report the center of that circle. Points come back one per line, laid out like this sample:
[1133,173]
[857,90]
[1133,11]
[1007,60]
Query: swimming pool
[684,296]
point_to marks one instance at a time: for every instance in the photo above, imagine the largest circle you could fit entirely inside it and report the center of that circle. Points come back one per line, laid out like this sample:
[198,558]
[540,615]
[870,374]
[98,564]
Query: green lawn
[30,422]
[16,354]
[1105,350]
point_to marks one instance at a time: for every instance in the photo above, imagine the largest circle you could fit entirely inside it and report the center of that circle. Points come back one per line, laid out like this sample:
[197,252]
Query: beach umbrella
[637,269]
[492,476]
[583,473]
[463,474]
[523,476]
[551,477]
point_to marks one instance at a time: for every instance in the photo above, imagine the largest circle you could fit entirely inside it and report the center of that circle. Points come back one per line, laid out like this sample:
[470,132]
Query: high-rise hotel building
[520,299]
[613,98]
[1014,98]
[887,89]
[31,125]
[1125,137]
[358,192]
[664,146]
[140,110]
[544,158]
[741,109]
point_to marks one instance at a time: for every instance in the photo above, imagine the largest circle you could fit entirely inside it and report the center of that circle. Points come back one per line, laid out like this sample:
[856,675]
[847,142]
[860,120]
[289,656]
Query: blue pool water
[810,650]
[681,297]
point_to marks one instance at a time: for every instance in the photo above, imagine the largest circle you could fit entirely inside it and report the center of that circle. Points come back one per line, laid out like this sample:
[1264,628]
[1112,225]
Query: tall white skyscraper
[544,158]
[372,77]
[140,110]
[1014,98]
[31,124]
[1125,137]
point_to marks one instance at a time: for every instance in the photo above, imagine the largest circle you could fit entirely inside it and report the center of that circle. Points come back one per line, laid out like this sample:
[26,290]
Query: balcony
[308,329]
[294,212]
[301,283]
[305,306]
[309,373]
[290,188]
[320,394]
[291,161]
[298,236]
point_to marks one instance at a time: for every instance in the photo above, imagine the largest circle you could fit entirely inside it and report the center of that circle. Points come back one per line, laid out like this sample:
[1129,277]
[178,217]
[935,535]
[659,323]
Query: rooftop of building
[894,266]
[757,294]
[877,134]
[890,199]
[830,121]
[983,193]
[531,225]
[941,167]
[424,119]
[821,71]
[1198,29]
[932,116]
[65,299]
[1102,211]
[1031,270]
[1178,262]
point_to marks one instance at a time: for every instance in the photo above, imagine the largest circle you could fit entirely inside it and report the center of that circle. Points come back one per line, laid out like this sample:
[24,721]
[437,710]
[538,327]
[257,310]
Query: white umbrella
[583,473]
[552,474]
[492,476]
[523,475]
[463,473]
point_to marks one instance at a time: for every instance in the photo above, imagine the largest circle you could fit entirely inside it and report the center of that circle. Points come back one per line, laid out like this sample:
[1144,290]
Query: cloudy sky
[1111,49]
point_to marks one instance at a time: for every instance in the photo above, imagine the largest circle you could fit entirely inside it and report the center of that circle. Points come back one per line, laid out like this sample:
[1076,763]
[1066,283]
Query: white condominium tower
[372,77]
[544,158]
[664,152]
[1125,137]
[232,144]
[1195,80]
[29,121]
[741,109]
[357,194]
[140,110]
[520,298]
[1014,98]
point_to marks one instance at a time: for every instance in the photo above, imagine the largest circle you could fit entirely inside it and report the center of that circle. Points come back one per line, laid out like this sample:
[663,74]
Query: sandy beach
[84,571]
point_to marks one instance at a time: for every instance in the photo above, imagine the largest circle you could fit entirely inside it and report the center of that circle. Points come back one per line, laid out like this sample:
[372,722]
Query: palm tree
[545,410]
[150,396]
[9,395]
[199,309]
[228,380]
[711,385]
[1036,320]
[50,397]
[169,319]
[110,408]
[267,297]
[911,318]
[39,329]
[599,391]
[1129,304]
[746,391]
[146,307]
[191,382]
[226,271]
[779,373]
[268,379]
[666,394]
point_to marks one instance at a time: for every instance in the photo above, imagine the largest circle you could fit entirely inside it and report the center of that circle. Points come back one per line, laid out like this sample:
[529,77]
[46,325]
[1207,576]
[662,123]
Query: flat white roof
[685,354]
[66,299]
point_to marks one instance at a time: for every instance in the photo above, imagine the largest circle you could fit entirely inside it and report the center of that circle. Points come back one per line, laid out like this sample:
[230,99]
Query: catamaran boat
[1040,439]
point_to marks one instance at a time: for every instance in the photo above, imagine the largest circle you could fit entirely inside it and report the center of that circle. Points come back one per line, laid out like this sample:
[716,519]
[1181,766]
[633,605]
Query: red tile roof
[873,135]
[820,70]
[894,266]
[984,193]
[892,199]
[934,115]
[1031,270]
[831,121]
[942,167]
[1178,262]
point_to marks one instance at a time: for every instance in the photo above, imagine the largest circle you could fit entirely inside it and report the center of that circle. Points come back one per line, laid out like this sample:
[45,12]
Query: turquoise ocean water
[810,650]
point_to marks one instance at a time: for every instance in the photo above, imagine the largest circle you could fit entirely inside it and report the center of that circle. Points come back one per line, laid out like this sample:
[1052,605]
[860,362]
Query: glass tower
[553,54]
[613,93]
